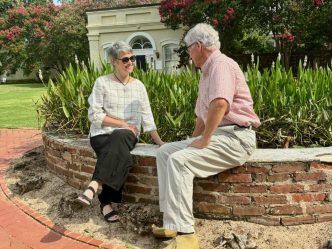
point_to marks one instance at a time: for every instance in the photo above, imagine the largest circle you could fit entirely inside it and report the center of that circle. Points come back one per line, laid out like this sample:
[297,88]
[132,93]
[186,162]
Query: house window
[171,58]
[141,43]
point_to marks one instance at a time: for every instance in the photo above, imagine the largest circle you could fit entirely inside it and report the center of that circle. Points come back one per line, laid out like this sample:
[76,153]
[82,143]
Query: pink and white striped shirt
[223,78]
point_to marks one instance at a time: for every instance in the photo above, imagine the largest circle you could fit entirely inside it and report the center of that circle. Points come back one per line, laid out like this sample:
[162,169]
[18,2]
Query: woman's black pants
[113,162]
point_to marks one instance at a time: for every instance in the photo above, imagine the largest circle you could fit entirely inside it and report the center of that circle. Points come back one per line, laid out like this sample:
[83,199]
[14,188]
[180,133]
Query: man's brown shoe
[160,232]
[189,241]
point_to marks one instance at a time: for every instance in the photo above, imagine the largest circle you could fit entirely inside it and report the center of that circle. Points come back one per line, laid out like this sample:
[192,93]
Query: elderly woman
[119,105]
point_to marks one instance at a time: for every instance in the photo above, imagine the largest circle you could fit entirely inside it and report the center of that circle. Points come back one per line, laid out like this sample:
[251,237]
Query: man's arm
[199,127]
[217,109]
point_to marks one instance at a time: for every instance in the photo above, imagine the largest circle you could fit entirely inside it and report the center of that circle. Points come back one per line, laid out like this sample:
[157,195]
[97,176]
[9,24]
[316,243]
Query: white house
[154,44]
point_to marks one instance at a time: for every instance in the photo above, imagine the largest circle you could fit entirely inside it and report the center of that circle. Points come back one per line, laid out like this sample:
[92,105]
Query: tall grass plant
[295,111]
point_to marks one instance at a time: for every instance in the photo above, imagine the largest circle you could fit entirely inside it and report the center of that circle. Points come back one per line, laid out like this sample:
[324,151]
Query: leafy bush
[295,111]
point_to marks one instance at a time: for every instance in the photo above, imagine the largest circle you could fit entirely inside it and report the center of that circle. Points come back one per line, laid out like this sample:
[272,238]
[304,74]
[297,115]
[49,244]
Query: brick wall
[276,193]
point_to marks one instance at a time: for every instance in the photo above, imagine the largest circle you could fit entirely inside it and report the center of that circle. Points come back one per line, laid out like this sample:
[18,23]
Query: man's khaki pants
[178,164]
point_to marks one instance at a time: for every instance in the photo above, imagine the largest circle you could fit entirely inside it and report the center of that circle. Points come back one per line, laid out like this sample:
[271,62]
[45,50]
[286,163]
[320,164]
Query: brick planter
[275,187]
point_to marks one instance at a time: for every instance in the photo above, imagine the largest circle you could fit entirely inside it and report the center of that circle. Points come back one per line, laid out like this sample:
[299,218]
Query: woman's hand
[155,136]
[133,128]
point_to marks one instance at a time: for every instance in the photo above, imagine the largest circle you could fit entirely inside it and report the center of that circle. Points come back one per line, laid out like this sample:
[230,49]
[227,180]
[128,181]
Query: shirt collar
[205,67]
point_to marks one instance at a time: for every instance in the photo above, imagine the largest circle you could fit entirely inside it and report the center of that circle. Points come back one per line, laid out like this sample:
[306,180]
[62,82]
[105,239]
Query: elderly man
[223,137]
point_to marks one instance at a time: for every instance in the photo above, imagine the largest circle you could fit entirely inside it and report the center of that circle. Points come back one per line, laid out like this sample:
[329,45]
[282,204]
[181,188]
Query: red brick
[87,153]
[55,153]
[154,171]
[292,167]
[198,197]
[324,218]
[50,158]
[216,187]
[74,167]
[308,197]
[226,177]
[141,170]
[87,169]
[248,211]
[246,188]
[129,198]
[266,221]
[286,210]
[320,166]
[320,187]
[85,239]
[146,161]
[71,150]
[66,156]
[88,161]
[132,178]
[148,180]
[130,189]
[234,200]
[279,177]
[148,201]
[289,188]
[251,169]
[289,221]
[96,242]
[75,183]
[270,199]
[213,208]
[81,177]
[259,177]
[57,146]
[318,176]
[64,172]
[319,209]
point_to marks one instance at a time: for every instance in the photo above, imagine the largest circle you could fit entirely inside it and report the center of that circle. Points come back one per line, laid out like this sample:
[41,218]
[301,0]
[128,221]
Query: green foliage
[172,98]
[65,105]
[245,26]
[44,36]
[293,111]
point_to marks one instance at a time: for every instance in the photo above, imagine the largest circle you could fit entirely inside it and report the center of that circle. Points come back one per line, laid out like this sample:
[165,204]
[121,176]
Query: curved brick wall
[275,187]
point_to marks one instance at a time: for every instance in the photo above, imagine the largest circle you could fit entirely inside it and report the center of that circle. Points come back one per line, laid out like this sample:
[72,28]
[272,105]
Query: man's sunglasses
[125,60]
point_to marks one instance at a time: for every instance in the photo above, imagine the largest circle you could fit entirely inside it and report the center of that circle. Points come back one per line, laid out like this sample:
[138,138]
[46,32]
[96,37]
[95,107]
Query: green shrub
[295,111]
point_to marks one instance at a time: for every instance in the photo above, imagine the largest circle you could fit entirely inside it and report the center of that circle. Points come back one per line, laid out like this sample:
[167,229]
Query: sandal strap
[86,198]
[110,214]
[92,190]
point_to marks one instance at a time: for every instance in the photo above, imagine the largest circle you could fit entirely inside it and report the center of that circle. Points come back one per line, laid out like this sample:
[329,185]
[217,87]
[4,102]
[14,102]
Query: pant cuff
[181,229]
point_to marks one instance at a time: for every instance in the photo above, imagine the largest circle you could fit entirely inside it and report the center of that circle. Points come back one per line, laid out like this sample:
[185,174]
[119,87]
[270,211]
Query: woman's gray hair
[117,48]
[205,34]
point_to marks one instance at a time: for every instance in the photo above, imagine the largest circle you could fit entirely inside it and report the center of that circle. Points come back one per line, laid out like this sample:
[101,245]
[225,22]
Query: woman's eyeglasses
[125,60]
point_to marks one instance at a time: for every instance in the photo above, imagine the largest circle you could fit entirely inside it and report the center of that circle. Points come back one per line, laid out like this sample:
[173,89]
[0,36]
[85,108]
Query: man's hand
[200,143]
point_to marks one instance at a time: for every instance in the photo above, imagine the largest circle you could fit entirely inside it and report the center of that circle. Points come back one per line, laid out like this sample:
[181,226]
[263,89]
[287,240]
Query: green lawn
[18,105]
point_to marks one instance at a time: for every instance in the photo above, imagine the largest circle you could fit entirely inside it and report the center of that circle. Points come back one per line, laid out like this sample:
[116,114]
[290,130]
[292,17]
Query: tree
[48,37]
[228,16]
[292,24]
[296,24]
[21,36]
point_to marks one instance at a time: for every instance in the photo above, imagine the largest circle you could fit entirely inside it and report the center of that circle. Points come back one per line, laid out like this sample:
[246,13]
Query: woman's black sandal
[83,199]
[109,215]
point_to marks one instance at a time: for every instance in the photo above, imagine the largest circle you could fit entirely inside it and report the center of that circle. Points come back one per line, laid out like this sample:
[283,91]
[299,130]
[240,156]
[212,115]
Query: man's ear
[200,45]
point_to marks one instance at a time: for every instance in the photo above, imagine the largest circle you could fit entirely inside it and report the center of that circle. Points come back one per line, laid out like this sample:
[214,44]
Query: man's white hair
[205,34]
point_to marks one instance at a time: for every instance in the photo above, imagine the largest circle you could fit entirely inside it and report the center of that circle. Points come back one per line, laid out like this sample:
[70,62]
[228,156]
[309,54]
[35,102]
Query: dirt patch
[52,197]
